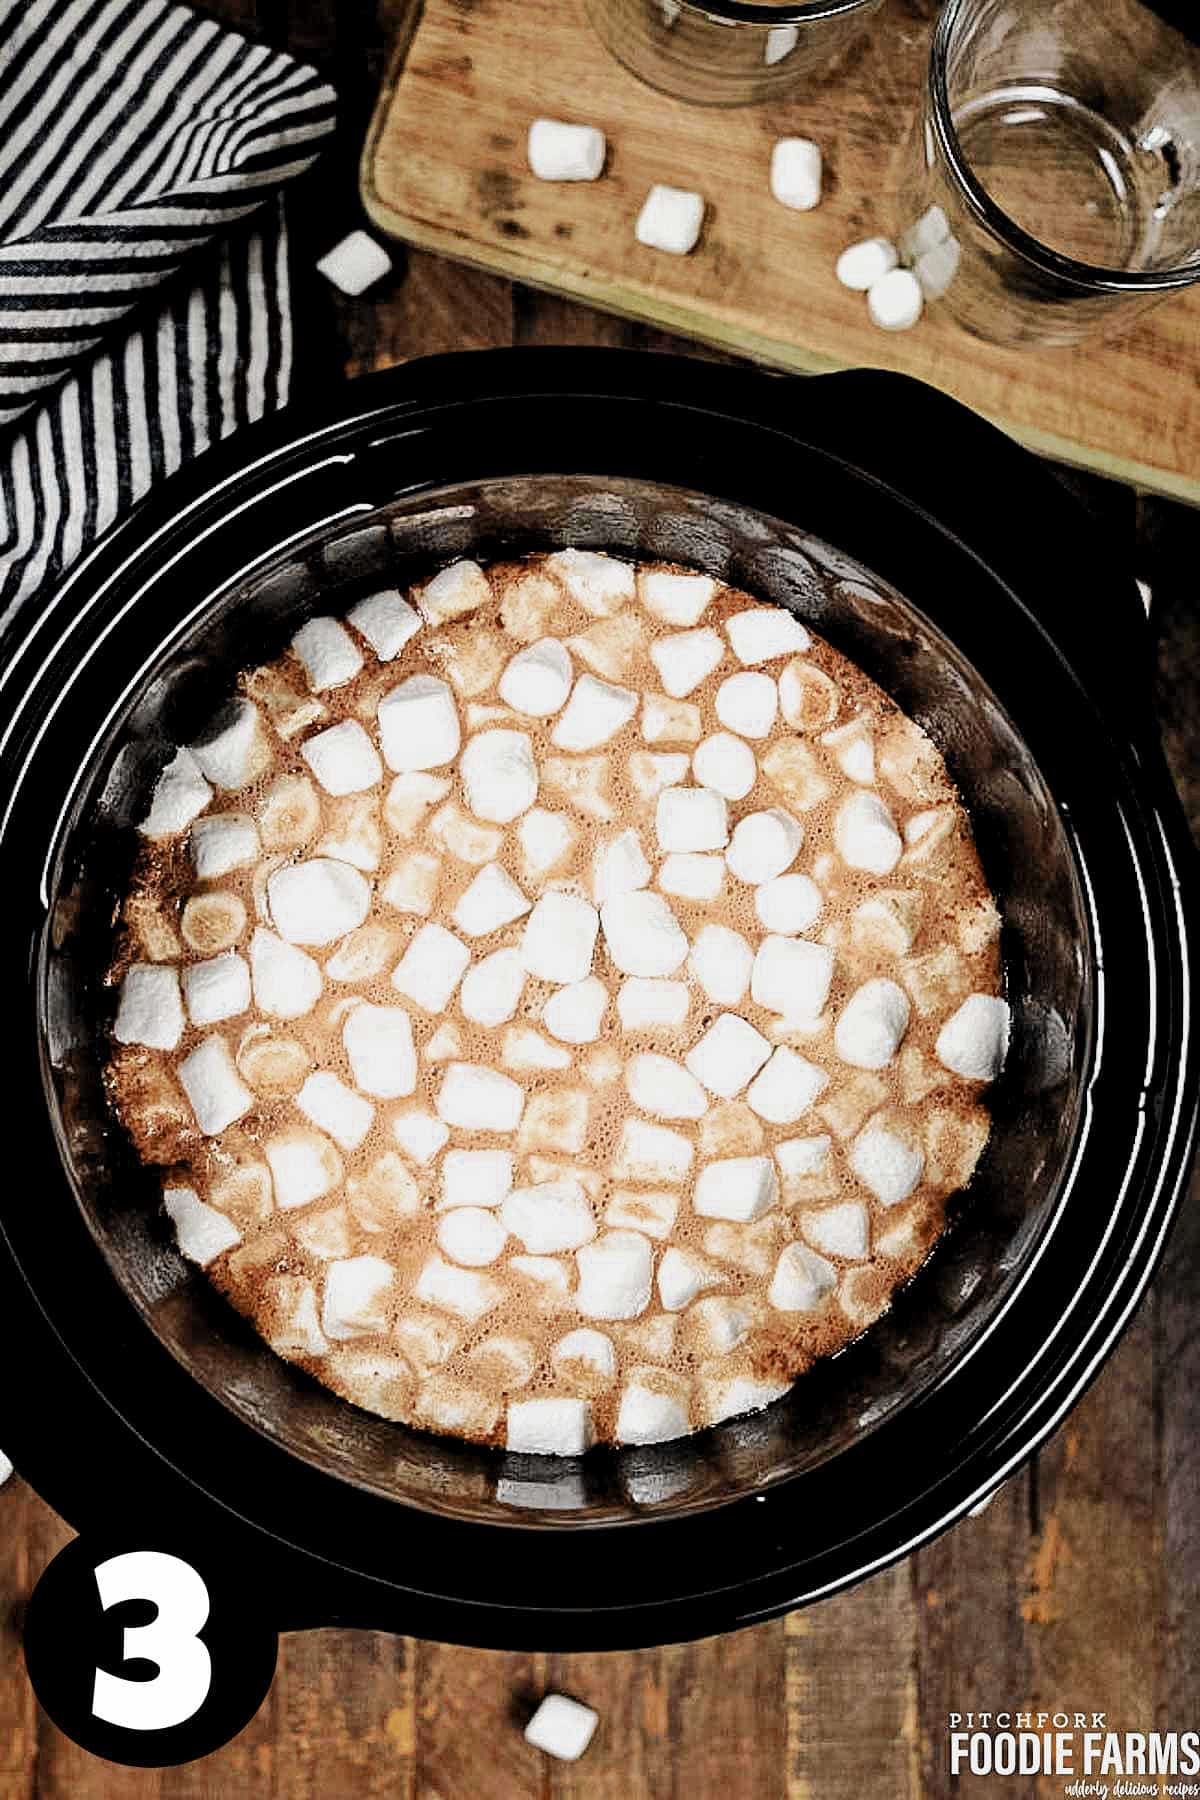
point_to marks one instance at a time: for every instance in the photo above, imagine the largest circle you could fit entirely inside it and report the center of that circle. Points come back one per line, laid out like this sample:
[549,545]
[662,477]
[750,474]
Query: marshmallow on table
[551,1426]
[736,1187]
[499,775]
[317,901]
[781,41]
[538,679]
[843,1230]
[561,1727]
[562,152]
[792,977]
[619,867]
[343,759]
[491,989]
[216,1092]
[926,233]
[575,1011]
[762,633]
[691,876]
[872,1023]
[785,1089]
[418,724]
[454,591]
[218,988]
[896,301]
[386,621]
[787,904]
[419,1134]
[885,1163]
[355,263]
[643,1003]
[663,1088]
[763,845]
[937,268]
[865,835]
[150,1010]
[287,982]
[865,263]
[728,1056]
[329,654]
[642,935]
[685,658]
[478,1099]
[726,764]
[332,1107]
[615,1276]
[691,819]
[230,751]
[670,219]
[559,938]
[746,703]
[796,174]
[475,1178]
[304,1166]
[472,1236]
[721,960]
[646,1415]
[180,793]
[492,899]
[378,1041]
[802,1279]
[201,1232]
[228,841]
[599,583]
[596,711]
[974,1040]
[549,1218]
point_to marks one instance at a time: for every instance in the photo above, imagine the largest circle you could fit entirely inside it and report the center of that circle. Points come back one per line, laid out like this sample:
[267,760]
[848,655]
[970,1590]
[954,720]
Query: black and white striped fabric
[132,133]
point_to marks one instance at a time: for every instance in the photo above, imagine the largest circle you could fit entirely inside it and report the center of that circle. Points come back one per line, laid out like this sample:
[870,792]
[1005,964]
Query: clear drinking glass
[1052,184]
[726,52]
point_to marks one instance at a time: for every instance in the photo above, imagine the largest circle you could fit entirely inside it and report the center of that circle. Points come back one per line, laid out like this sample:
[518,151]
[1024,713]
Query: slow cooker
[966,580]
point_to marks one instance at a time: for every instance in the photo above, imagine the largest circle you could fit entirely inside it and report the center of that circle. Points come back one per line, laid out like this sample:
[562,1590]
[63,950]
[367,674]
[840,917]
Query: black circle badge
[144,1656]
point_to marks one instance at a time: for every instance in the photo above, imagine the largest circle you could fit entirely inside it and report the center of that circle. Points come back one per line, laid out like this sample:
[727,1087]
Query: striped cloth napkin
[132,134]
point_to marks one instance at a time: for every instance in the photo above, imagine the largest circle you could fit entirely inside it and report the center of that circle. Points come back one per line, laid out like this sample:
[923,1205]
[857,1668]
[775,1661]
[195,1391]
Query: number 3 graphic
[171,1642]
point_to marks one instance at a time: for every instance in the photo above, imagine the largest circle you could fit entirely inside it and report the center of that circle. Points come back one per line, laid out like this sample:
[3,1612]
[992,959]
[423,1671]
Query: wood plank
[472,1707]
[342,1719]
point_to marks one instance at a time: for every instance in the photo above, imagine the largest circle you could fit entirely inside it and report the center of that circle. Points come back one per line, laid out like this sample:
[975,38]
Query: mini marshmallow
[545,838]
[355,1297]
[525,1049]
[796,173]
[692,877]
[788,904]
[410,798]
[800,1157]
[642,934]
[329,654]
[873,1021]
[553,1427]
[413,883]
[663,1088]
[682,1275]
[736,1187]
[718,1325]
[674,598]
[575,1011]
[843,1230]
[721,961]
[478,1099]
[180,793]
[651,1153]
[926,233]
[466,1293]
[216,1092]
[725,1396]
[587,1347]
[230,752]
[418,724]
[492,899]
[670,721]
[884,1163]
[615,1275]
[937,268]
[726,764]
[229,841]
[781,41]
[431,967]
[201,1232]
[647,1416]
[670,219]
[378,1041]
[551,1281]
[808,699]
[792,977]
[150,1010]
[475,1178]
[644,1005]
[287,982]
[471,1236]
[685,658]
[550,1217]
[499,775]
[419,1134]
[596,711]
[650,771]
[491,989]
[317,901]
[329,1104]
[562,152]
[386,621]
[559,938]
[895,302]
[216,989]
[729,1055]
[343,759]
[454,591]
[599,583]
[786,1087]
[691,819]
[747,703]
[561,1727]
[636,1210]
[762,633]
[355,263]
[865,263]
[974,1040]
[763,845]
[538,679]
[865,834]
[619,867]
[304,1166]
[802,1279]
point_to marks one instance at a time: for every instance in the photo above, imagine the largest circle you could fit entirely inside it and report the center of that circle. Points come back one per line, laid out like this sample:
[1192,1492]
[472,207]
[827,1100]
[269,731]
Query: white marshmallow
[419,1134]
[304,1166]
[895,302]
[638,1210]
[670,721]
[863,264]
[216,1091]
[551,1426]
[691,819]
[150,1010]
[499,775]
[725,1396]
[355,1297]
[355,263]
[575,1011]
[729,1055]
[475,1178]
[491,989]
[287,982]
[736,1187]
[873,1021]
[642,935]
[651,771]
[682,1275]
[431,967]
[218,988]
[378,1041]
[763,845]
[598,583]
[561,1727]
[792,977]
[670,219]
[643,1004]
[788,904]
[747,703]
[561,152]
[180,793]
[410,798]
[720,1324]
[884,1163]
[524,1049]
[538,679]
[6,1468]
[591,1348]
[974,1040]
[619,867]
[926,233]
[551,1280]
[343,759]
[854,751]
[386,621]
[762,633]
[201,1232]
[478,1099]
[466,1293]
[692,877]
[317,901]
[492,899]
[651,1153]
[676,599]
[798,1157]
[471,1236]
[663,1088]
[721,961]
[454,591]
[418,724]
[781,41]
[786,1088]
[329,654]
[843,1230]
[615,1275]
[802,1279]
[726,764]
[545,838]
[559,938]
[229,752]
[685,658]
[335,1108]
[596,711]
[937,268]
[229,841]
[796,173]
[646,1416]
[550,1217]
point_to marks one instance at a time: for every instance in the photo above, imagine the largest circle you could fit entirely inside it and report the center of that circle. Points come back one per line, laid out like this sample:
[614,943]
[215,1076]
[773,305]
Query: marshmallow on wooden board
[746,703]
[218,845]
[232,750]
[287,982]
[649,1414]
[645,1004]
[787,904]
[682,1275]
[691,876]
[560,937]
[802,1280]
[378,1041]
[431,967]
[317,901]
[663,1088]
[355,1300]
[387,622]
[180,794]
[304,1166]
[552,1426]
[691,818]
[651,1153]
[763,845]
[725,764]
[329,654]
[615,1276]
[721,961]
[453,592]
[538,679]
[762,633]
[150,1010]
[842,1230]
[886,1164]
[478,1099]
[872,1023]
[596,711]
[574,1012]
[343,759]
[896,301]
[685,658]
[974,1040]
[785,1088]
[492,988]
[490,900]
[619,867]
[336,1109]
[670,219]
[472,1236]
[550,1217]
[642,935]
[862,264]
[563,1728]
[598,583]
[419,1134]
[736,1187]
[475,1178]
[216,1092]
[781,41]
[418,725]
[728,1056]
[499,775]
[355,263]
[201,1232]
[792,977]
[796,173]
[558,151]
[217,988]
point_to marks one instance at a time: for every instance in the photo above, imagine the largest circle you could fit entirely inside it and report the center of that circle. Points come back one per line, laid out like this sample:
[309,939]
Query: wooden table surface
[1080,1586]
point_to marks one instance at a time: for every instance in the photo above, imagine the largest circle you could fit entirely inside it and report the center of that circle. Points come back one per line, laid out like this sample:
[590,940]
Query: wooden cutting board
[444,168]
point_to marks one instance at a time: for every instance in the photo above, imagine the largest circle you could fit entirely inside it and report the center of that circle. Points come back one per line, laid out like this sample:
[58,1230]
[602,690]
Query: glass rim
[1002,225]
[754,12]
